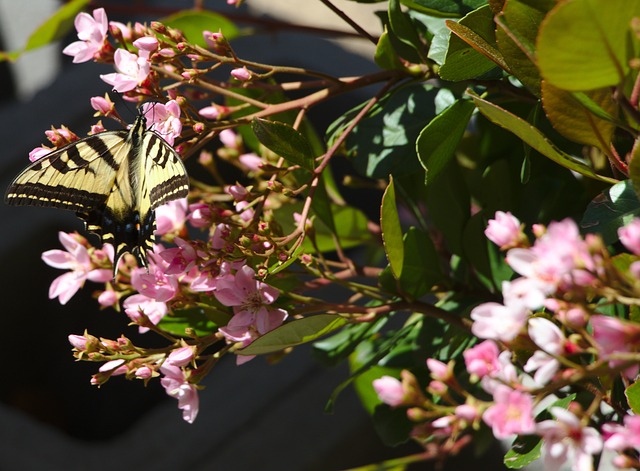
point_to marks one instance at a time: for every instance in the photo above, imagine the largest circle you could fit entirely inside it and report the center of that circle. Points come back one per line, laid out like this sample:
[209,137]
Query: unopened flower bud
[241,73]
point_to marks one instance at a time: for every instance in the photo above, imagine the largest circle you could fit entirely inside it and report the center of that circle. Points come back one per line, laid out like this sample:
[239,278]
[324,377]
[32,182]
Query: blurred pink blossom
[92,33]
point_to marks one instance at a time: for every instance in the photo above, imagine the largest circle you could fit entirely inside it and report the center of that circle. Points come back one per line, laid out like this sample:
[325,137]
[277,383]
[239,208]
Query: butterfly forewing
[113,180]
[76,177]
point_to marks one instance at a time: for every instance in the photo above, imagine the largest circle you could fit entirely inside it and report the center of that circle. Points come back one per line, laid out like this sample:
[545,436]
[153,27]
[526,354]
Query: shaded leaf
[439,139]
[613,208]
[284,141]
[391,231]
[193,22]
[294,333]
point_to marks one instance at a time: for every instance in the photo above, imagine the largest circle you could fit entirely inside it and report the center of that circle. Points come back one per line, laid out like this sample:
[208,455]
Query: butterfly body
[113,180]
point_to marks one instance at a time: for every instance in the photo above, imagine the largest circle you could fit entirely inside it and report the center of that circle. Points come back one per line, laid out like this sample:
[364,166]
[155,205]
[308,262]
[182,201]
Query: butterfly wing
[77,177]
[161,178]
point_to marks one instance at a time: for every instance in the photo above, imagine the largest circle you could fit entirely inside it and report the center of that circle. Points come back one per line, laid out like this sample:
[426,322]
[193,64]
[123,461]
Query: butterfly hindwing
[113,180]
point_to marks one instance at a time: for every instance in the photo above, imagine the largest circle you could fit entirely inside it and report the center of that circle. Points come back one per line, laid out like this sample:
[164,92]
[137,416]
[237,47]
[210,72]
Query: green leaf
[392,425]
[321,206]
[384,142]
[569,114]
[587,44]
[333,350]
[524,451]
[285,142]
[516,32]
[444,8]
[532,136]
[439,139]
[463,60]
[385,55]
[421,266]
[193,22]
[632,394]
[405,32]
[203,320]
[612,209]
[294,333]
[391,231]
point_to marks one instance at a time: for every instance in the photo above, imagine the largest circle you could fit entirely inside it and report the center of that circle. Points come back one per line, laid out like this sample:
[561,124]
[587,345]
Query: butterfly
[113,180]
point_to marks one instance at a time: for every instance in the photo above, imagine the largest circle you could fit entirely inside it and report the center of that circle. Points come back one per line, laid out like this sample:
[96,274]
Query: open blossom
[131,71]
[176,385]
[511,414]
[505,230]
[498,321]
[620,437]
[546,335]
[139,303]
[566,439]
[92,32]
[77,259]
[482,359]
[250,299]
[164,119]
[170,217]
[558,257]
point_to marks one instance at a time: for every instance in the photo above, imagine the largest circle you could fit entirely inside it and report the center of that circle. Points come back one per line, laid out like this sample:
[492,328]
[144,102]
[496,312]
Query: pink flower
[505,373]
[92,32]
[146,45]
[630,236]
[154,282]
[199,215]
[241,73]
[505,230]
[559,258]
[212,112]
[181,259]
[131,69]
[249,298]
[171,217]
[389,390]
[620,437]
[546,335]
[116,366]
[616,336]
[567,439]
[482,359]
[76,259]
[177,386]
[164,119]
[526,292]
[497,321]
[220,236]
[138,303]
[511,414]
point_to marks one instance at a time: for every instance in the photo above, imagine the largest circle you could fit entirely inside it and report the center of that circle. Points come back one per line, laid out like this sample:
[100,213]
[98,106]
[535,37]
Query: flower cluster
[548,318]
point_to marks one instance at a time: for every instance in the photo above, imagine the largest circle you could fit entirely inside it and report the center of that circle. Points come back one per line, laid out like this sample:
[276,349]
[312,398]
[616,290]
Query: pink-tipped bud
[181,356]
[79,342]
[144,372]
[241,73]
[38,153]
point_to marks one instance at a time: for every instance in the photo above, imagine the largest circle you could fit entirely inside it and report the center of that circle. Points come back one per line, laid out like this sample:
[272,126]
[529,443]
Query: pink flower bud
[181,356]
[146,43]
[38,153]
[630,236]
[210,112]
[438,369]
[241,73]
[96,128]
[79,342]
[111,365]
[389,390]
[505,230]
[102,105]
[229,138]
[467,412]
[144,372]
[108,298]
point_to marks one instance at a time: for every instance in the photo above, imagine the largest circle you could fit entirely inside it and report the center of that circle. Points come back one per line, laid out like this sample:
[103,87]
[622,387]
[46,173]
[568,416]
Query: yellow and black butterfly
[113,180]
